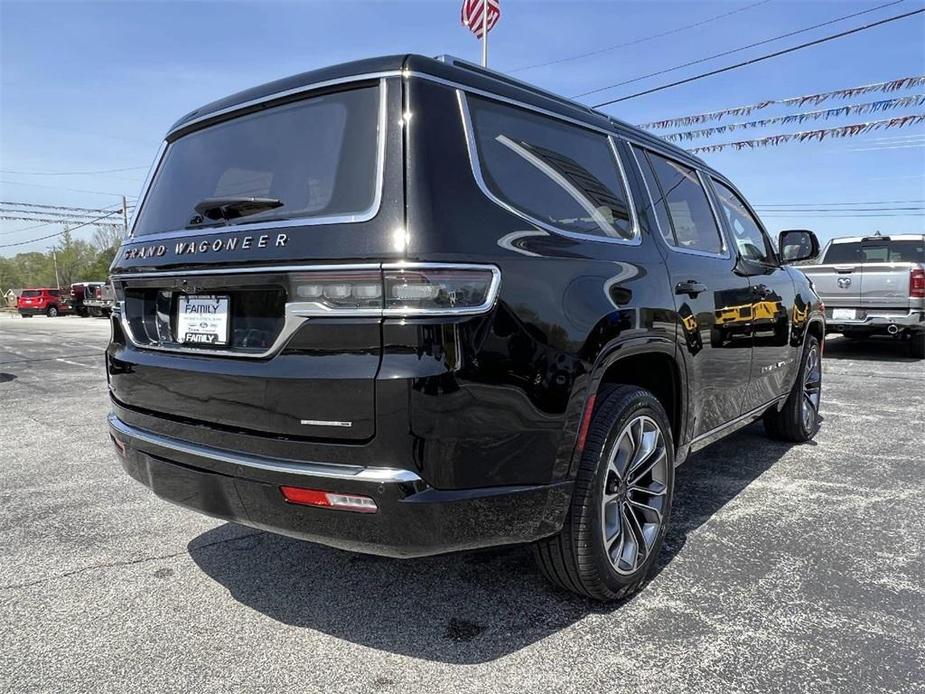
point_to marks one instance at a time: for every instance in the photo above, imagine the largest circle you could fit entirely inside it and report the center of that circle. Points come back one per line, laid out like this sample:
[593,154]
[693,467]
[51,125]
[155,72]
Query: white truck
[874,285]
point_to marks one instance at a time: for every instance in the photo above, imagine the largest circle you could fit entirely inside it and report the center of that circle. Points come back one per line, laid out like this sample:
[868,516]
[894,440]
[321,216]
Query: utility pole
[124,218]
[54,256]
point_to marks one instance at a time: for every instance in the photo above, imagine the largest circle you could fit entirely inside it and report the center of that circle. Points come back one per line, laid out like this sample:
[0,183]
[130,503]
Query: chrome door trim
[733,424]
[253,462]
[476,168]
[707,192]
[244,227]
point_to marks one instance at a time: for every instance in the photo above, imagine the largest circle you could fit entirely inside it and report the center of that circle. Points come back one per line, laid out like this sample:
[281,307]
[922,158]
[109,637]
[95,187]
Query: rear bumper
[412,519]
[31,311]
[872,319]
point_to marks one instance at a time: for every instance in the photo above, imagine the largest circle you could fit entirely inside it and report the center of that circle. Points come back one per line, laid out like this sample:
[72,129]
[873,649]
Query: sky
[93,86]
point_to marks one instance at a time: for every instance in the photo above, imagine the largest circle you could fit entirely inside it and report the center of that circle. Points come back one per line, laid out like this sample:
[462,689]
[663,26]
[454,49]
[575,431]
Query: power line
[742,48]
[643,39]
[857,209]
[71,190]
[761,58]
[57,207]
[868,202]
[51,236]
[71,173]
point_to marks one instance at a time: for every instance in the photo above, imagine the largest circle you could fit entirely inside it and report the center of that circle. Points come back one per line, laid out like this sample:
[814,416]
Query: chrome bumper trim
[324,470]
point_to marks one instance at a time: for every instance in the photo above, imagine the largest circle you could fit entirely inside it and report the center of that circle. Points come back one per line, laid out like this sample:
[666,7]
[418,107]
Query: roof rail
[501,77]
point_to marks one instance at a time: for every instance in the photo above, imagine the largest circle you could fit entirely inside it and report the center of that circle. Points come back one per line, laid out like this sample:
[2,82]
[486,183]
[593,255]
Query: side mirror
[797,244]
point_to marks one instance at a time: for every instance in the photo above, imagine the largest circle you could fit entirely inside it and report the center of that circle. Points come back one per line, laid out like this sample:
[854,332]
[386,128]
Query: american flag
[472,14]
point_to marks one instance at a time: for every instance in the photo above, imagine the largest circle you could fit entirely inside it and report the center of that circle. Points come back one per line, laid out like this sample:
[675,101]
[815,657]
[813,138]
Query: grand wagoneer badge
[234,243]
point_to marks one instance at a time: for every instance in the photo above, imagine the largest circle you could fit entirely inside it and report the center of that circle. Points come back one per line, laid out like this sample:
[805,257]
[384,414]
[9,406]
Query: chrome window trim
[722,180]
[244,226]
[381,76]
[296,313]
[309,469]
[719,227]
[476,168]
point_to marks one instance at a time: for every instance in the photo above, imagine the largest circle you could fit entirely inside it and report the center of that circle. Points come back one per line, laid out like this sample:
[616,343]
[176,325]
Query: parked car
[51,302]
[100,304]
[478,314]
[874,285]
[81,292]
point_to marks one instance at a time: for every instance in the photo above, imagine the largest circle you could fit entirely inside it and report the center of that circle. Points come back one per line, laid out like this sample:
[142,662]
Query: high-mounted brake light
[316,497]
[917,283]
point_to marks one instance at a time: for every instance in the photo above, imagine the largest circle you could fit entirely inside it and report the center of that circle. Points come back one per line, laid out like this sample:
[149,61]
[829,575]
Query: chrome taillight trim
[298,312]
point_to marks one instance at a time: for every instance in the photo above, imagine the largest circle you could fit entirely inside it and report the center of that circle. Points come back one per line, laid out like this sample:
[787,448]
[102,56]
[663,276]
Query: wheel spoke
[646,508]
[642,470]
[638,537]
[661,491]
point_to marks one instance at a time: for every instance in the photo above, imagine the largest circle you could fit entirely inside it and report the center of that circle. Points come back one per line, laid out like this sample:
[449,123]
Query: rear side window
[886,251]
[843,253]
[318,157]
[693,225]
[893,252]
[554,173]
[746,232]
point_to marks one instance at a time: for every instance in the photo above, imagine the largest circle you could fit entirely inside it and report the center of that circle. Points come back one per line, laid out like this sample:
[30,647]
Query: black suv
[408,306]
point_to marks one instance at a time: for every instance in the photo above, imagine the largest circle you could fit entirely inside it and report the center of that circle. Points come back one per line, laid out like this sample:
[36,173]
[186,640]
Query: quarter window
[553,173]
[749,239]
[693,225]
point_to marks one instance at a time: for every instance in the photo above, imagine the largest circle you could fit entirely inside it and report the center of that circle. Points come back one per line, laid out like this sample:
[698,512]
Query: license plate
[844,314]
[203,319]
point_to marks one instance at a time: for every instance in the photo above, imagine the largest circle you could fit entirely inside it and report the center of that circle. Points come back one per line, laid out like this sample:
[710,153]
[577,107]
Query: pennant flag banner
[809,135]
[870,107]
[891,86]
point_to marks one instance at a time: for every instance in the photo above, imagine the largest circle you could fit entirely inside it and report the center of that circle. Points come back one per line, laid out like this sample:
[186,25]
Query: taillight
[917,283]
[316,497]
[438,290]
[396,290]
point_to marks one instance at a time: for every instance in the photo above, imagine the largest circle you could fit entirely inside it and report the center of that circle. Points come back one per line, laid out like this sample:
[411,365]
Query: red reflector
[316,497]
[586,422]
[120,447]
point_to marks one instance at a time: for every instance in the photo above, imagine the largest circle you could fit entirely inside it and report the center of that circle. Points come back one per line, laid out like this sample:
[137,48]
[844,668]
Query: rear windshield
[906,251]
[32,292]
[317,157]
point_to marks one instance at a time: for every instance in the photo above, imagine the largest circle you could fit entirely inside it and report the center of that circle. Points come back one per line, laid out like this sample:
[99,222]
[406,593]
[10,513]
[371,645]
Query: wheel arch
[649,363]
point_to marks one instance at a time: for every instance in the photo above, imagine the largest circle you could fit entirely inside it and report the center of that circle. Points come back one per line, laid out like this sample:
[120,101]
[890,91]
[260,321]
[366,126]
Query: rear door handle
[690,287]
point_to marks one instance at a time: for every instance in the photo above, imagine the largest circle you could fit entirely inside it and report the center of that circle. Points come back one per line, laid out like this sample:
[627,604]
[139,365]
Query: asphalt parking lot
[797,569]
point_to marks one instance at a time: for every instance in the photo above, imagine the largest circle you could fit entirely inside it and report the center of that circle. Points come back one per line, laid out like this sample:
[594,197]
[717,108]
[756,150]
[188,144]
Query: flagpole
[484,33]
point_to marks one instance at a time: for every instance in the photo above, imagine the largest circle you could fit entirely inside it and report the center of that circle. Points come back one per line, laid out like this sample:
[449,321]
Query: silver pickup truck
[874,285]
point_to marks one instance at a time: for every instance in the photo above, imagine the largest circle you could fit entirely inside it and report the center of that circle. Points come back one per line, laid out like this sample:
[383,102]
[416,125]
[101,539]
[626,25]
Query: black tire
[51,311]
[917,345]
[792,422]
[576,558]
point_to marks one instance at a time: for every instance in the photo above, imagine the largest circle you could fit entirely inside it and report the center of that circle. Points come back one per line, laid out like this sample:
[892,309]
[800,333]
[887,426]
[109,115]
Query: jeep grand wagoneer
[408,306]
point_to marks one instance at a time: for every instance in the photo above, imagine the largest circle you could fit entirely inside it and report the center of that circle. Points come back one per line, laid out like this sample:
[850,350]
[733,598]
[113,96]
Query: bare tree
[106,236]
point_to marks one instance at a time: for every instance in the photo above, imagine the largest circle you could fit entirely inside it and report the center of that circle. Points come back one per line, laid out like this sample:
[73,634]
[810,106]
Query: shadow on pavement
[878,348]
[460,608]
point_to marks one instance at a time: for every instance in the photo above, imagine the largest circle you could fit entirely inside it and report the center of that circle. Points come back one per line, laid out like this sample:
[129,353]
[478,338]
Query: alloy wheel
[634,494]
[812,389]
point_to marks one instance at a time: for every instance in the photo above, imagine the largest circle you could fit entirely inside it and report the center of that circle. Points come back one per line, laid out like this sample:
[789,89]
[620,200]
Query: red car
[51,302]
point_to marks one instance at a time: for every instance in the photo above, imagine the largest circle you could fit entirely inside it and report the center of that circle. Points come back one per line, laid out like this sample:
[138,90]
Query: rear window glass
[32,292]
[317,157]
[898,251]
[557,174]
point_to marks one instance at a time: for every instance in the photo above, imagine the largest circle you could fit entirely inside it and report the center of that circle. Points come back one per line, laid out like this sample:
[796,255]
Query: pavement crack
[120,564]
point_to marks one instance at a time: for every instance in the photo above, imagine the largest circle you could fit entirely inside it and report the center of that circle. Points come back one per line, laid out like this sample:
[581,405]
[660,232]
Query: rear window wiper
[215,209]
